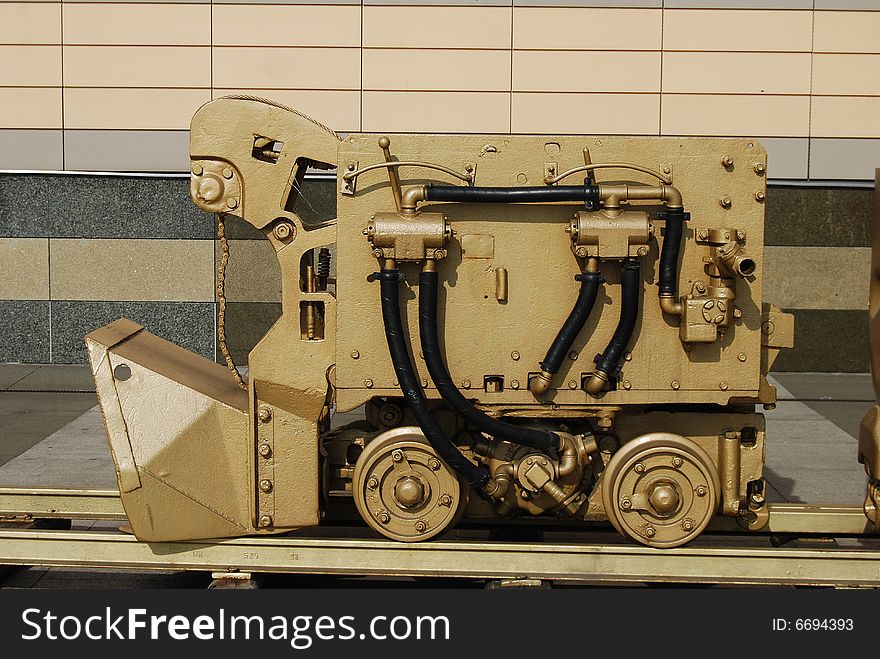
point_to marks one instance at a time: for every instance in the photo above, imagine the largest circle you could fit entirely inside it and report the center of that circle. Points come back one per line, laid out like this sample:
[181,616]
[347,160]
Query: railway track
[789,551]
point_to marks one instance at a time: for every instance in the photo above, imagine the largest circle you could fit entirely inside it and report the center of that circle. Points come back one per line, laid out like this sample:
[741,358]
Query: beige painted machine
[536,327]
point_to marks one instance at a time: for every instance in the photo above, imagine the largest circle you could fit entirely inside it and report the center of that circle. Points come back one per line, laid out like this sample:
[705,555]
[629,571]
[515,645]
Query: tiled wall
[111,86]
[80,251]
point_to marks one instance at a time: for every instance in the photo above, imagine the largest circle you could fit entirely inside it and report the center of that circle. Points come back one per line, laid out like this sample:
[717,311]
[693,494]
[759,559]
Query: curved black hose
[411,387]
[526,195]
[538,439]
[630,283]
[667,274]
[573,325]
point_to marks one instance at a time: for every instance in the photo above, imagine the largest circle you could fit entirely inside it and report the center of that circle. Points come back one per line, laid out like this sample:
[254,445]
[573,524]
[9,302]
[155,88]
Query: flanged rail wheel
[403,490]
[661,489]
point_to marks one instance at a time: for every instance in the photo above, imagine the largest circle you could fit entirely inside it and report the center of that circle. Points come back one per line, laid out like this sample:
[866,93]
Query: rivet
[265,485]
[514,356]
[723,386]
[265,450]
[466,384]
[227,173]
[368,383]
[725,202]
[675,384]
[572,384]
[232,202]
[514,384]
[265,521]
[355,354]
[759,196]
[264,413]
[627,384]
[741,356]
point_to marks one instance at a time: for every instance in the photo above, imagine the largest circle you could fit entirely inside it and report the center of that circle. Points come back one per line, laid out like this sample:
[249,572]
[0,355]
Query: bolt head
[676,384]
[514,355]
[227,172]
[384,517]
[626,504]
[677,462]
[639,468]
[741,356]
[231,203]
[397,456]
[573,356]
[445,500]
[355,354]
[421,527]
[197,169]
[627,385]
[726,202]
[643,251]
[264,413]
[723,386]
[760,168]
[368,383]
[727,161]
[434,464]
[737,312]
[265,450]
[373,483]
[702,490]
[582,251]
[265,521]
[514,384]
[687,525]
[759,196]
[466,384]
[265,485]
[282,231]
[572,384]
[650,531]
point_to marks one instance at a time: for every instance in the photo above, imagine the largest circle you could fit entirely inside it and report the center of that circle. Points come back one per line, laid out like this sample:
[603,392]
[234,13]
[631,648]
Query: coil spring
[323,268]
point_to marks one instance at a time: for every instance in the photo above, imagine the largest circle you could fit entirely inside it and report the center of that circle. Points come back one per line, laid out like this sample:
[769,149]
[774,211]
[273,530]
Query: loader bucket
[177,424]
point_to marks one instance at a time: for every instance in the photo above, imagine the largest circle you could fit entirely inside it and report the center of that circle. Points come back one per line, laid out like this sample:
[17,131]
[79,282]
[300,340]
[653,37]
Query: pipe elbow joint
[540,384]
[596,383]
[669,305]
[411,198]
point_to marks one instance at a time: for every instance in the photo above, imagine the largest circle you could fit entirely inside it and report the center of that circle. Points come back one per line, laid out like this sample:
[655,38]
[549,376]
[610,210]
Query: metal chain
[221,297]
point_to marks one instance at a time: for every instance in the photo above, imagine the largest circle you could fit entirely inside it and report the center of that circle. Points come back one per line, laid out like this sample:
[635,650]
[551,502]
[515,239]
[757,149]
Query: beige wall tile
[253,273]
[790,277]
[26,66]
[137,66]
[737,29]
[847,32]
[22,107]
[845,116]
[340,110]
[436,27]
[26,268]
[586,28]
[846,74]
[441,112]
[286,25]
[130,270]
[586,113]
[287,68]
[446,70]
[770,116]
[737,73]
[586,71]
[137,24]
[157,109]
[30,22]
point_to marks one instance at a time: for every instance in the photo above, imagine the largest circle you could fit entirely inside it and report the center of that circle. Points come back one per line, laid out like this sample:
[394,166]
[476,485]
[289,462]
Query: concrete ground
[51,435]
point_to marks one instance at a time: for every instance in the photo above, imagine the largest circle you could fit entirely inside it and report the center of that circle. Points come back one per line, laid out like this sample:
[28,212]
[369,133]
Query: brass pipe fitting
[614,195]
[568,457]
[501,482]
[596,383]
[733,257]
[411,197]
[669,305]
[540,384]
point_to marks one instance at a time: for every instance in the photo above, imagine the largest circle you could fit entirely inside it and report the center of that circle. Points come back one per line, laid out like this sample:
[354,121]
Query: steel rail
[611,563]
[786,518]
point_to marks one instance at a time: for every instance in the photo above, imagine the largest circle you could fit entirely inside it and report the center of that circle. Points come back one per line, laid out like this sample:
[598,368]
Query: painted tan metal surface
[690,379]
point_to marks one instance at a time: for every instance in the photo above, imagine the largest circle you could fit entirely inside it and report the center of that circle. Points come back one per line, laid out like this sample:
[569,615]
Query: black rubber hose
[524,195]
[630,283]
[411,387]
[537,439]
[590,282]
[667,275]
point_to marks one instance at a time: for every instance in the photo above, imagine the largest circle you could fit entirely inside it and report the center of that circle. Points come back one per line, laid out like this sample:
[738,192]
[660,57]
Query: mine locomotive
[560,328]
